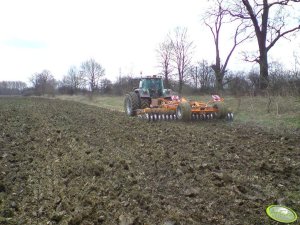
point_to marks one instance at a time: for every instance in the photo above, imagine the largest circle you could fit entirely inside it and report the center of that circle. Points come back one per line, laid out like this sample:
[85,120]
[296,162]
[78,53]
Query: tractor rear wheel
[131,103]
[183,111]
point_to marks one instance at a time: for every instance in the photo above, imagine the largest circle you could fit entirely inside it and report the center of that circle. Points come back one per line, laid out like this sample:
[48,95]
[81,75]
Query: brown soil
[68,163]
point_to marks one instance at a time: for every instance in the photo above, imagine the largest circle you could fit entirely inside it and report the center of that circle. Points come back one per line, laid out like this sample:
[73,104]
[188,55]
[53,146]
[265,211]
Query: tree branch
[283,2]
[236,43]
[252,16]
[281,35]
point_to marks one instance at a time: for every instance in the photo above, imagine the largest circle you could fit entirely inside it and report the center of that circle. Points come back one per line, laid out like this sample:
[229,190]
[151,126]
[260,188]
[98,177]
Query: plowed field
[68,163]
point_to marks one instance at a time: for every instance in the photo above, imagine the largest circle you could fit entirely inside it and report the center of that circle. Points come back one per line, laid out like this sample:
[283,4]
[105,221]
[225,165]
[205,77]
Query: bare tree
[181,54]
[74,80]
[193,76]
[296,69]
[253,77]
[269,26]
[124,84]
[215,18]
[238,85]
[43,83]
[164,52]
[106,86]
[93,71]
[202,76]
[205,76]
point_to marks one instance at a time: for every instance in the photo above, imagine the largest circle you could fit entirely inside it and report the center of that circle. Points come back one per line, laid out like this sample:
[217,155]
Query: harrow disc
[193,116]
[146,117]
[229,116]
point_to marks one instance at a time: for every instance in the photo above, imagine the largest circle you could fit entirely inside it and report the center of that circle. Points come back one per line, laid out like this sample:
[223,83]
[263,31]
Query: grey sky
[120,35]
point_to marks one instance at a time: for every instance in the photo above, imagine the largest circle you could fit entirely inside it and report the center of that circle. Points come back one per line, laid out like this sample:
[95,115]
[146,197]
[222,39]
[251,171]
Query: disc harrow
[183,109]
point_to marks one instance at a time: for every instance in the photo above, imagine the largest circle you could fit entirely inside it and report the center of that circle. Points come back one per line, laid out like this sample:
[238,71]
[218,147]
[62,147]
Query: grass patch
[274,112]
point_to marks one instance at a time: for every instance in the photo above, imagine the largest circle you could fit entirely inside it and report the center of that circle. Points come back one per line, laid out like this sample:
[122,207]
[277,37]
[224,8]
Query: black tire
[145,103]
[131,104]
[183,111]
[222,110]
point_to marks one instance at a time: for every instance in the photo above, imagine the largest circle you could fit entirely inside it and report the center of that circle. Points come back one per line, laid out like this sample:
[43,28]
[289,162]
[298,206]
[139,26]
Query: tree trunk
[264,72]
[219,81]
[180,86]
[219,74]
[218,70]
[167,85]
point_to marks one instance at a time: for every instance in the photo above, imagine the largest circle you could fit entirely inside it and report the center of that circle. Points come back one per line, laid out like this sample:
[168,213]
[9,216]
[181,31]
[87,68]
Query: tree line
[199,79]
[12,87]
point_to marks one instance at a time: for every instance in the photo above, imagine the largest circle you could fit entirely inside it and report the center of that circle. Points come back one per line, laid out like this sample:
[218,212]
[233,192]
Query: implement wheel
[183,111]
[222,110]
[131,104]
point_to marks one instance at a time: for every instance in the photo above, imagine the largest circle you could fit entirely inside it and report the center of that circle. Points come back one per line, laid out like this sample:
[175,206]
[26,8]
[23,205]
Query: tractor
[151,101]
[150,89]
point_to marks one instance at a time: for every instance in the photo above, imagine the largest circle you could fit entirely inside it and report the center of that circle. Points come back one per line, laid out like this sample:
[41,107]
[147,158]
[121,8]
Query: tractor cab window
[144,84]
[141,84]
[154,84]
[150,84]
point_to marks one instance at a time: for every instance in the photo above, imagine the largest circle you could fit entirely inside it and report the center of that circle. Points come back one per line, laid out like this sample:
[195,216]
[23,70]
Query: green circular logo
[281,214]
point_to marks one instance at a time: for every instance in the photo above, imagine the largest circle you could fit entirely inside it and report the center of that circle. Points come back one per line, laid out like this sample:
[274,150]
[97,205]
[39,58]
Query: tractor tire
[131,103]
[222,110]
[145,103]
[183,111]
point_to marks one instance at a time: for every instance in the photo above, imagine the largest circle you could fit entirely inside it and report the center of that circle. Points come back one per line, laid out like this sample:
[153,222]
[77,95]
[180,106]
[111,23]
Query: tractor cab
[152,86]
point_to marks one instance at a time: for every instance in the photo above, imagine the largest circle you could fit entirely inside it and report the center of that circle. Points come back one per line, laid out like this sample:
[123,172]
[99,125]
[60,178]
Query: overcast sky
[121,35]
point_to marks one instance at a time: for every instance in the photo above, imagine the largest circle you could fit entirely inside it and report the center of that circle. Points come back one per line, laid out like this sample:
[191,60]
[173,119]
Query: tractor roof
[152,77]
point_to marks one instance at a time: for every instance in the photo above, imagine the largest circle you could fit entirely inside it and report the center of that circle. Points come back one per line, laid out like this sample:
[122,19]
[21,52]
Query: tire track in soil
[68,163]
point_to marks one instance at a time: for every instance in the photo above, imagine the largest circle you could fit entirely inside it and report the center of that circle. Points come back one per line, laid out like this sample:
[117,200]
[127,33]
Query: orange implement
[183,109]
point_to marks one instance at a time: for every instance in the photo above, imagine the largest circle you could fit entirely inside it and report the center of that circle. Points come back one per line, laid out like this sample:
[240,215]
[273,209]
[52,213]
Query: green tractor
[150,88]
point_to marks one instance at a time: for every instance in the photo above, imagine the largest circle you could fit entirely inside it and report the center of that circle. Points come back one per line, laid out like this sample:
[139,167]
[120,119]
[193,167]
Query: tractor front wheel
[183,111]
[131,104]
